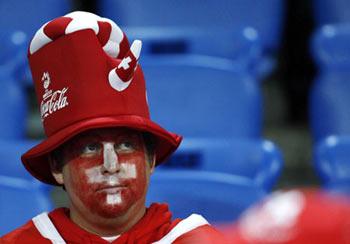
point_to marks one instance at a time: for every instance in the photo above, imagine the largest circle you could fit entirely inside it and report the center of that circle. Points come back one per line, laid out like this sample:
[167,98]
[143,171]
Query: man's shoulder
[205,234]
[193,229]
[25,234]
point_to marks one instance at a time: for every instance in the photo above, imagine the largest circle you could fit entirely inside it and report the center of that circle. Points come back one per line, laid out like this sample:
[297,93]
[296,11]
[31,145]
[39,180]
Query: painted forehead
[107,134]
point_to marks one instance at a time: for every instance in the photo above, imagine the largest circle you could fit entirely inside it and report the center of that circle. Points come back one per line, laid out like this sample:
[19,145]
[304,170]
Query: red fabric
[152,227]
[26,234]
[202,235]
[83,69]
[126,74]
[72,85]
[57,27]
[323,219]
[124,45]
[104,31]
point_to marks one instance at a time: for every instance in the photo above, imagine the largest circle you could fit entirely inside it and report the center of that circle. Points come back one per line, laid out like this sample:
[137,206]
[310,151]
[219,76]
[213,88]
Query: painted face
[106,171]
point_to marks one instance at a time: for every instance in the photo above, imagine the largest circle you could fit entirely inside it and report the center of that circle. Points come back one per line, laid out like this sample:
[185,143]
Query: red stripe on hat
[57,27]
[104,32]
[123,47]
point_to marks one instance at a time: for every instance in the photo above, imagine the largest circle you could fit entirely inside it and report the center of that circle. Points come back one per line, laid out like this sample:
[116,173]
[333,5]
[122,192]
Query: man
[101,145]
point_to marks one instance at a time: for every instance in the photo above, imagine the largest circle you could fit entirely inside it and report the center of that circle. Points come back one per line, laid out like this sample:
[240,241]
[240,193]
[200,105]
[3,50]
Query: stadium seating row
[329,105]
[213,64]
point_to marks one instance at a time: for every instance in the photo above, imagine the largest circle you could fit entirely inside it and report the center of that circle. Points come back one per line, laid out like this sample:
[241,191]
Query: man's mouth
[111,189]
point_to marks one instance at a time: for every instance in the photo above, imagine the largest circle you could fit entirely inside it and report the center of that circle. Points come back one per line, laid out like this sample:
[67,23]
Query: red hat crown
[83,67]
[86,76]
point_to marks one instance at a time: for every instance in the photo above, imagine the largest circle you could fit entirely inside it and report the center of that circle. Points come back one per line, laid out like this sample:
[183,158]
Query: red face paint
[92,188]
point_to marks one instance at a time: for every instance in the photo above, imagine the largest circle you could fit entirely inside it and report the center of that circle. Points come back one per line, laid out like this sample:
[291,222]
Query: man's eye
[91,148]
[124,146]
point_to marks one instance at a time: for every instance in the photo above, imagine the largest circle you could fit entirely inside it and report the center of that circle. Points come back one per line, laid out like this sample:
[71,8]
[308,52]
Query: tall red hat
[87,76]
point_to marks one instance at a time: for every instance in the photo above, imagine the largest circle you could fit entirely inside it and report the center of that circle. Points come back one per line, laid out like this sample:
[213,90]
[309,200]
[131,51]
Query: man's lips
[111,189]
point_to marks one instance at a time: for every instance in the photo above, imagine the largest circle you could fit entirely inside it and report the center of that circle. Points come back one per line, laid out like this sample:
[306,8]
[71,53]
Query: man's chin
[110,212]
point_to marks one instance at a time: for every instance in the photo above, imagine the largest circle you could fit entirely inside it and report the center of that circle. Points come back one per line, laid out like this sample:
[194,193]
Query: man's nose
[110,158]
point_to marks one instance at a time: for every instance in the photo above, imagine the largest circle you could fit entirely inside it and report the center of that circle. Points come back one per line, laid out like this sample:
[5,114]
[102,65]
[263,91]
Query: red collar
[152,226]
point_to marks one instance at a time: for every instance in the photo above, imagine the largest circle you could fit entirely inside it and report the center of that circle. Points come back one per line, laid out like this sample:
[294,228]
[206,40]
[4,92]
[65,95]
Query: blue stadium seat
[13,102]
[13,53]
[24,18]
[11,165]
[20,200]
[331,11]
[10,158]
[205,96]
[243,45]
[332,163]
[13,43]
[30,15]
[257,159]
[263,15]
[217,21]
[330,47]
[329,98]
[218,197]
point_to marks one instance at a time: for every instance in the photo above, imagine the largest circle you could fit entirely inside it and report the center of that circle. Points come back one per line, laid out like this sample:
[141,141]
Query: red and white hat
[87,76]
[297,216]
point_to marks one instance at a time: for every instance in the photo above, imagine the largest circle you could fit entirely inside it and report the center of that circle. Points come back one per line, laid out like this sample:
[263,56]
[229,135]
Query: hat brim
[36,159]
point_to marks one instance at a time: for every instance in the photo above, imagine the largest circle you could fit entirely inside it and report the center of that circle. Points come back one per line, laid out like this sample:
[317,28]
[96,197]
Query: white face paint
[127,171]
[114,198]
[116,172]
[110,158]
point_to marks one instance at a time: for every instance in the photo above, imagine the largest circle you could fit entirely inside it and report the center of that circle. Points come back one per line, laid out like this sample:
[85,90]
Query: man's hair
[57,160]
[150,144]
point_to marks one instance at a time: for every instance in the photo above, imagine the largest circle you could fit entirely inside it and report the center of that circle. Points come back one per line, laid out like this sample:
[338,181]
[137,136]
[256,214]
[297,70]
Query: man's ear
[153,163]
[58,175]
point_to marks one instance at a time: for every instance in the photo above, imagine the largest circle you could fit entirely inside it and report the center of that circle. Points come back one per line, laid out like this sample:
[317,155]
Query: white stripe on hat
[40,39]
[112,46]
[81,21]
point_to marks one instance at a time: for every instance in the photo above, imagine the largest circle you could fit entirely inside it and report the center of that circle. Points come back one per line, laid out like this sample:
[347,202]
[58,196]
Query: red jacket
[154,227]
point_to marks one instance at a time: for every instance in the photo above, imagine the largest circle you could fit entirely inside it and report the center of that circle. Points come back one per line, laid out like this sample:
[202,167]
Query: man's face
[106,171]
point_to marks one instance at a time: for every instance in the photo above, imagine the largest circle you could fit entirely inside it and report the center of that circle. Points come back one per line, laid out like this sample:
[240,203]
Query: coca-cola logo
[46,79]
[52,100]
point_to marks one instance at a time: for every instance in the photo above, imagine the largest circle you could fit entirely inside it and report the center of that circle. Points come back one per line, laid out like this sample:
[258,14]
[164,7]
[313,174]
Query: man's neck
[108,226]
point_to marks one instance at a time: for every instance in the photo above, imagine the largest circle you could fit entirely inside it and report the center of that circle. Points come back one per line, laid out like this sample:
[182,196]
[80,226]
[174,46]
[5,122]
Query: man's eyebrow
[97,135]
[87,136]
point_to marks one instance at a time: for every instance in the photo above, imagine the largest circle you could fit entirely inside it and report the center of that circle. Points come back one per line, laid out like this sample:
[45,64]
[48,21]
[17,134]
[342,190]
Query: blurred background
[265,105]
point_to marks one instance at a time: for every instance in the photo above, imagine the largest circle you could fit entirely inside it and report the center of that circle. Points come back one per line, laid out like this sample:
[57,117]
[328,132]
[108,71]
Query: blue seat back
[203,96]
[10,158]
[256,159]
[331,11]
[218,197]
[264,15]
[14,107]
[20,200]
[332,162]
[13,45]
[329,106]
[24,18]
[13,54]
[30,15]
[329,98]
[242,45]
[330,47]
